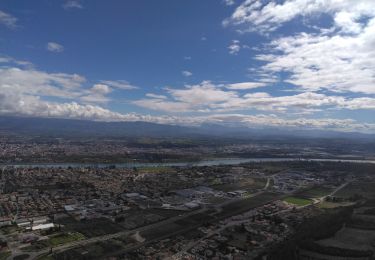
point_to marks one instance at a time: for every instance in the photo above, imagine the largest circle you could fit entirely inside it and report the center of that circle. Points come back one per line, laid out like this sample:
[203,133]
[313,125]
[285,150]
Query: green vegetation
[316,192]
[331,205]
[365,189]
[46,257]
[4,255]
[298,201]
[55,240]
[65,238]
[155,170]
[321,226]
[97,250]
[240,206]
[90,228]
[248,184]
[9,229]
[21,257]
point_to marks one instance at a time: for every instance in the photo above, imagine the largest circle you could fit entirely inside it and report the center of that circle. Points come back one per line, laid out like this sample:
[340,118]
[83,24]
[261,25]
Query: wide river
[211,162]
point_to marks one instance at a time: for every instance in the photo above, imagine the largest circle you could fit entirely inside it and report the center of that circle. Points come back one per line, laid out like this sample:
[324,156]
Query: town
[189,212]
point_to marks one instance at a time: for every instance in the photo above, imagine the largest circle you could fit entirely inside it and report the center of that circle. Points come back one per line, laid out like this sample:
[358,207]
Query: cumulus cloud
[186,73]
[208,97]
[6,60]
[8,20]
[72,4]
[97,94]
[20,79]
[245,85]
[35,82]
[229,2]
[101,89]
[15,103]
[54,47]
[266,16]
[119,84]
[24,90]
[336,63]
[338,57]
[152,95]
[235,47]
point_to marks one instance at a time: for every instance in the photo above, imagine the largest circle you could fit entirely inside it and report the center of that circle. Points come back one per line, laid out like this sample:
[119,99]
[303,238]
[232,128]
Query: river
[211,162]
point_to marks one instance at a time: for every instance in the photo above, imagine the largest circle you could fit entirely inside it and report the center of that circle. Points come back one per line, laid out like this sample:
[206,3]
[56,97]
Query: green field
[331,205]
[248,184]
[156,170]
[243,205]
[65,238]
[90,228]
[45,257]
[316,192]
[4,255]
[297,201]
[55,240]
[9,229]
[365,189]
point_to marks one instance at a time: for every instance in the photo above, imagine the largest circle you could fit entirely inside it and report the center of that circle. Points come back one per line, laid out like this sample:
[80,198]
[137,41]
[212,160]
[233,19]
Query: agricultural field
[7,230]
[351,238]
[247,184]
[4,254]
[156,170]
[90,228]
[316,192]
[332,205]
[297,201]
[238,207]
[55,240]
[365,189]
[45,257]
[65,238]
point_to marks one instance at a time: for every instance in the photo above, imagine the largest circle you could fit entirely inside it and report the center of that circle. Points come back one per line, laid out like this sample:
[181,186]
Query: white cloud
[14,103]
[101,89]
[235,47]
[151,95]
[229,2]
[186,73]
[208,97]
[339,57]
[245,85]
[26,91]
[72,4]
[54,47]
[8,20]
[120,84]
[34,82]
[339,63]
[11,61]
[97,94]
[265,16]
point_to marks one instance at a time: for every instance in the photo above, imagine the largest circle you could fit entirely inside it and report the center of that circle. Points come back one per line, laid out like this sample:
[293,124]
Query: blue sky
[286,63]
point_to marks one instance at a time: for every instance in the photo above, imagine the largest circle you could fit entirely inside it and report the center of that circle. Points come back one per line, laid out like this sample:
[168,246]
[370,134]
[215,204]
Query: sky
[299,64]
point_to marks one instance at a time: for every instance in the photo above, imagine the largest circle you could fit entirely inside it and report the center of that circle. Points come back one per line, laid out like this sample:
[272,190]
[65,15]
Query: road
[234,223]
[321,199]
[34,255]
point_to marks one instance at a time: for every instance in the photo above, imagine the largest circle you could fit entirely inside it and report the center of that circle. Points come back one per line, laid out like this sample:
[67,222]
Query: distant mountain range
[69,127]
